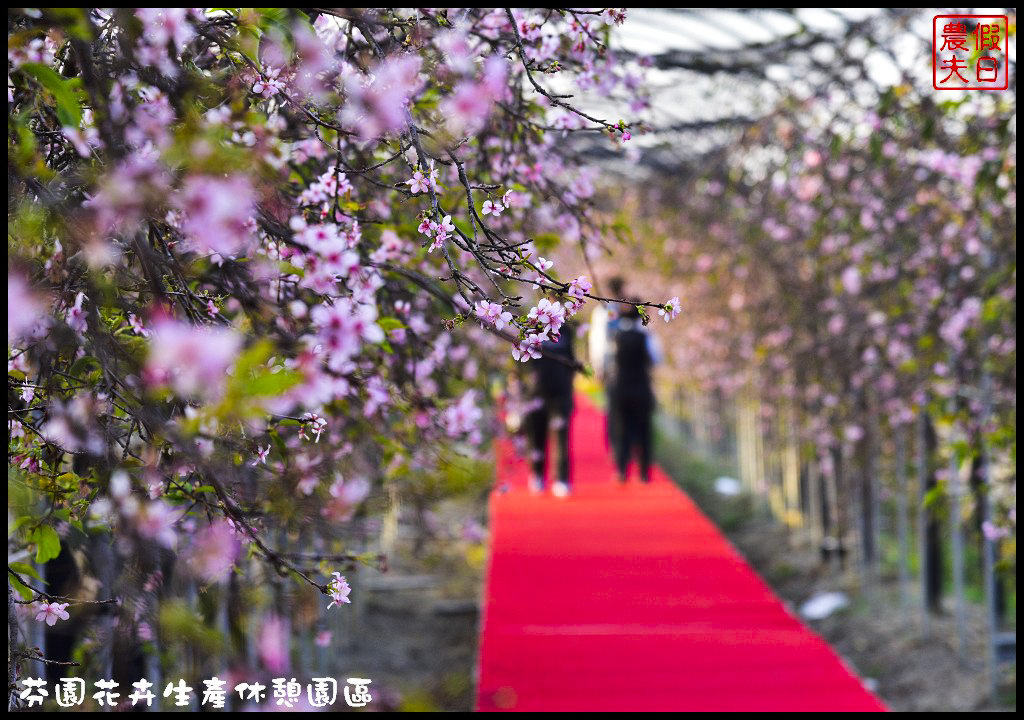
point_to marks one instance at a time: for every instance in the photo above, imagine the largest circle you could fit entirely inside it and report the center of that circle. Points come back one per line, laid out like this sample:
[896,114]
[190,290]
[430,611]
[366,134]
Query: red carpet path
[628,598]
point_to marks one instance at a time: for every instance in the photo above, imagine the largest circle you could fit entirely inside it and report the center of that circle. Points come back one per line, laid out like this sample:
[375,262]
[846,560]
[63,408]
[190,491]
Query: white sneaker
[536,485]
[560,489]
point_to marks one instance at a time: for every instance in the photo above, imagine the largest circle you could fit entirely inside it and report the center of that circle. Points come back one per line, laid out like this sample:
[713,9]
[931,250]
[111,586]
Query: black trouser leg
[634,434]
[624,437]
[645,438]
[538,431]
[563,450]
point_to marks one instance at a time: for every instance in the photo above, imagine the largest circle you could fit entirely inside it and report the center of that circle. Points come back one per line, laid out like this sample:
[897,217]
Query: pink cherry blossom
[671,309]
[215,550]
[493,314]
[377,396]
[343,327]
[438,241]
[467,108]
[269,85]
[529,347]
[156,521]
[418,183]
[427,226]
[273,643]
[378,104]
[137,326]
[549,315]
[317,424]
[76,317]
[464,416]
[217,214]
[163,25]
[345,498]
[473,532]
[434,176]
[190,359]
[23,308]
[261,456]
[579,287]
[339,590]
[851,279]
[993,532]
[50,613]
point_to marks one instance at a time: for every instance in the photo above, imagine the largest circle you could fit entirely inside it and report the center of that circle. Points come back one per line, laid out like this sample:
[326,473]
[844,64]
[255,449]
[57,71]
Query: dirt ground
[415,628]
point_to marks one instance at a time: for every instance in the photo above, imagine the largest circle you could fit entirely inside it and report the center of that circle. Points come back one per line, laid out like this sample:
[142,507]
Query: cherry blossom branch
[555,99]
[43,595]
[47,661]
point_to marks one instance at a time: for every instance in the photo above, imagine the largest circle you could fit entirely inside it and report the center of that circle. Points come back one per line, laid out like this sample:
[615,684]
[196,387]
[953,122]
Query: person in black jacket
[553,377]
[632,396]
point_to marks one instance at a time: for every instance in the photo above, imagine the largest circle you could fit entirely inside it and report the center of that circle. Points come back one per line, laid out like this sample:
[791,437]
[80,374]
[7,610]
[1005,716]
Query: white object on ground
[560,489]
[727,486]
[823,604]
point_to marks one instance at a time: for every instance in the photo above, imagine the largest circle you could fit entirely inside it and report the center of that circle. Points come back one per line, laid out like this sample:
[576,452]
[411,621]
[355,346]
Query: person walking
[552,401]
[604,322]
[632,396]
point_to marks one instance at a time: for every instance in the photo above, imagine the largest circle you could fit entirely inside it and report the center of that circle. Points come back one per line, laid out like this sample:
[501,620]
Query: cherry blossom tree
[854,269]
[261,263]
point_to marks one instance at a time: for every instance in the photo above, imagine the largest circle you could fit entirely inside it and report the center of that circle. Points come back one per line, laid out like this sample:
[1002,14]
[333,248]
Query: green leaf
[273,383]
[25,148]
[389,323]
[69,481]
[273,17]
[47,543]
[24,569]
[23,520]
[251,359]
[69,110]
[22,589]
[934,498]
[84,365]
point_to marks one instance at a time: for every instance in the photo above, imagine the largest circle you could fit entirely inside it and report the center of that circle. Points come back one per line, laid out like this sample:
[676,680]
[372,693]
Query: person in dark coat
[632,394]
[552,394]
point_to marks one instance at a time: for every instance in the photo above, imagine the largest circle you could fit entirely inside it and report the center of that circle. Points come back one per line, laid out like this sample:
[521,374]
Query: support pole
[956,491]
[902,519]
[922,518]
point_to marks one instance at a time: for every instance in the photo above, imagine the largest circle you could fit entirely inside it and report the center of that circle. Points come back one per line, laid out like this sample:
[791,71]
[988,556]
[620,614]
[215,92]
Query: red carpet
[628,598]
